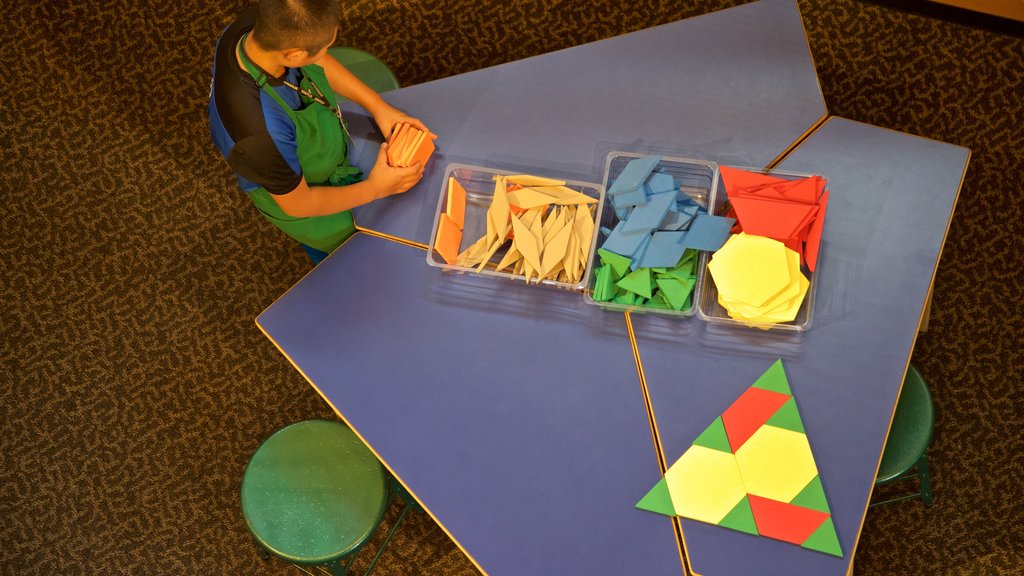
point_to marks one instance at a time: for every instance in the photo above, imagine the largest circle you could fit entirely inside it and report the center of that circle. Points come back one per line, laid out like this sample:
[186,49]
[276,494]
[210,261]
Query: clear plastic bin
[699,179]
[708,308]
[478,181]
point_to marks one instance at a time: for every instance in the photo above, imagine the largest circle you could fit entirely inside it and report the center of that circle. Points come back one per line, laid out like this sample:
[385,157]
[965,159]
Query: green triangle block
[683,271]
[740,518]
[687,289]
[787,417]
[812,496]
[658,301]
[674,291]
[619,264]
[602,283]
[714,437]
[774,379]
[605,284]
[637,282]
[824,539]
[658,500]
[624,297]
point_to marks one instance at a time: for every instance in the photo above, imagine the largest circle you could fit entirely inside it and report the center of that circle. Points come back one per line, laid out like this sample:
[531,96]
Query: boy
[274,117]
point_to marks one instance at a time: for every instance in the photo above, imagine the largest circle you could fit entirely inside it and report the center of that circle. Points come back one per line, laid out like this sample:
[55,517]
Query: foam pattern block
[752,470]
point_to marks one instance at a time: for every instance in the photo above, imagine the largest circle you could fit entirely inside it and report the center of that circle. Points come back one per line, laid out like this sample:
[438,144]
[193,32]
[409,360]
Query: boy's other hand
[389,117]
[390,180]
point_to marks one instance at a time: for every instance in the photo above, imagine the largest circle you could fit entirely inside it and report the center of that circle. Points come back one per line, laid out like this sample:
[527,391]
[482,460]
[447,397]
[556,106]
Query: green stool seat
[909,438]
[313,493]
[366,67]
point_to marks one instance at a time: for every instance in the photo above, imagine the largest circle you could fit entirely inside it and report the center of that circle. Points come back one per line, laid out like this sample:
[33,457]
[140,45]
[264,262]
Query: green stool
[313,494]
[905,454]
[366,67]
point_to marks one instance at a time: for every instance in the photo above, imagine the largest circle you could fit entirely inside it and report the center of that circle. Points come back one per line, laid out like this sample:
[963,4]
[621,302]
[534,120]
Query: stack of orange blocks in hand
[409,145]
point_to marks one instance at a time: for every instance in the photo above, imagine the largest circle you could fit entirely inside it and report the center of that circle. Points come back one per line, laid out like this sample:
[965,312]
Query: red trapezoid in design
[749,412]
[783,521]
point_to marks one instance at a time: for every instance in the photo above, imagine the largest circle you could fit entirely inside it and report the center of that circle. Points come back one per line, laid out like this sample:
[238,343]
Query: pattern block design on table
[752,470]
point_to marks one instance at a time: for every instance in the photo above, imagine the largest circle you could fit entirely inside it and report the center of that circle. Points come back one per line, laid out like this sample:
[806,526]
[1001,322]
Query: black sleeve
[257,158]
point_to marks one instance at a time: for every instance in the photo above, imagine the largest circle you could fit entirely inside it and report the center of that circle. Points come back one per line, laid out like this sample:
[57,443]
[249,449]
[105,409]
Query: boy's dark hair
[306,24]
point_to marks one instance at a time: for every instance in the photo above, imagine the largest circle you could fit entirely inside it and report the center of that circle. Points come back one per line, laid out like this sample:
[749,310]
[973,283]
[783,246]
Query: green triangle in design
[741,518]
[824,539]
[787,417]
[812,496]
[774,379]
[714,437]
[658,500]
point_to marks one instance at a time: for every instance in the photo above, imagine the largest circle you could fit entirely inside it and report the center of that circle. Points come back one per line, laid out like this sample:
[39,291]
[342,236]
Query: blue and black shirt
[251,130]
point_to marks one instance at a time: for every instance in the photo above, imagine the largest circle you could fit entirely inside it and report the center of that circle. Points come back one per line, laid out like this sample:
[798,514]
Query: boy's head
[308,25]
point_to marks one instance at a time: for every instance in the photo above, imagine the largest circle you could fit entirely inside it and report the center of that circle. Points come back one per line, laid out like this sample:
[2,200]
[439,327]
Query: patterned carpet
[137,384]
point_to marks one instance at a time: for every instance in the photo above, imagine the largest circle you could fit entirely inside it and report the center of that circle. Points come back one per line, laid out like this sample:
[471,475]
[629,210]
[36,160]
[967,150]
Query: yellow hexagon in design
[704,484]
[776,463]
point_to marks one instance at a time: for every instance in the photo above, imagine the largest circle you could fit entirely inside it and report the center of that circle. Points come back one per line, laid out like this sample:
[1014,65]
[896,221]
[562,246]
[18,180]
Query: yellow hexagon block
[776,463]
[704,484]
[750,269]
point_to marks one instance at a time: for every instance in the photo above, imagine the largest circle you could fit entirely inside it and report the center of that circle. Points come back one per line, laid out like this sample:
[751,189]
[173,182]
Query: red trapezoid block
[749,412]
[783,521]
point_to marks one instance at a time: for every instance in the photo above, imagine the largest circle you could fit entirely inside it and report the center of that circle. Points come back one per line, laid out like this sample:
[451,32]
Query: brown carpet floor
[136,385]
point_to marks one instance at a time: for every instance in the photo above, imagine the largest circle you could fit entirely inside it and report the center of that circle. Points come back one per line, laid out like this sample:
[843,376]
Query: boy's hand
[388,117]
[390,180]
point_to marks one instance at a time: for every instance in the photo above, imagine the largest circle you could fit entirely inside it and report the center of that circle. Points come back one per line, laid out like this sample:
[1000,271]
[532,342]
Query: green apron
[323,156]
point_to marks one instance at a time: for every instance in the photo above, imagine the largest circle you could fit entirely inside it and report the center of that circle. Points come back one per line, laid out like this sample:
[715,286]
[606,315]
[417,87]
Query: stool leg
[391,533]
[337,568]
[264,554]
[397,488]
[343,566]
[924,476]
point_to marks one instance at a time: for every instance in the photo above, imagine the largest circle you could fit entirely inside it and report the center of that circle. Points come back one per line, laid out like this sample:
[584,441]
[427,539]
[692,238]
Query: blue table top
[534,466]
[737,86]
[514,414]
[891,197]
